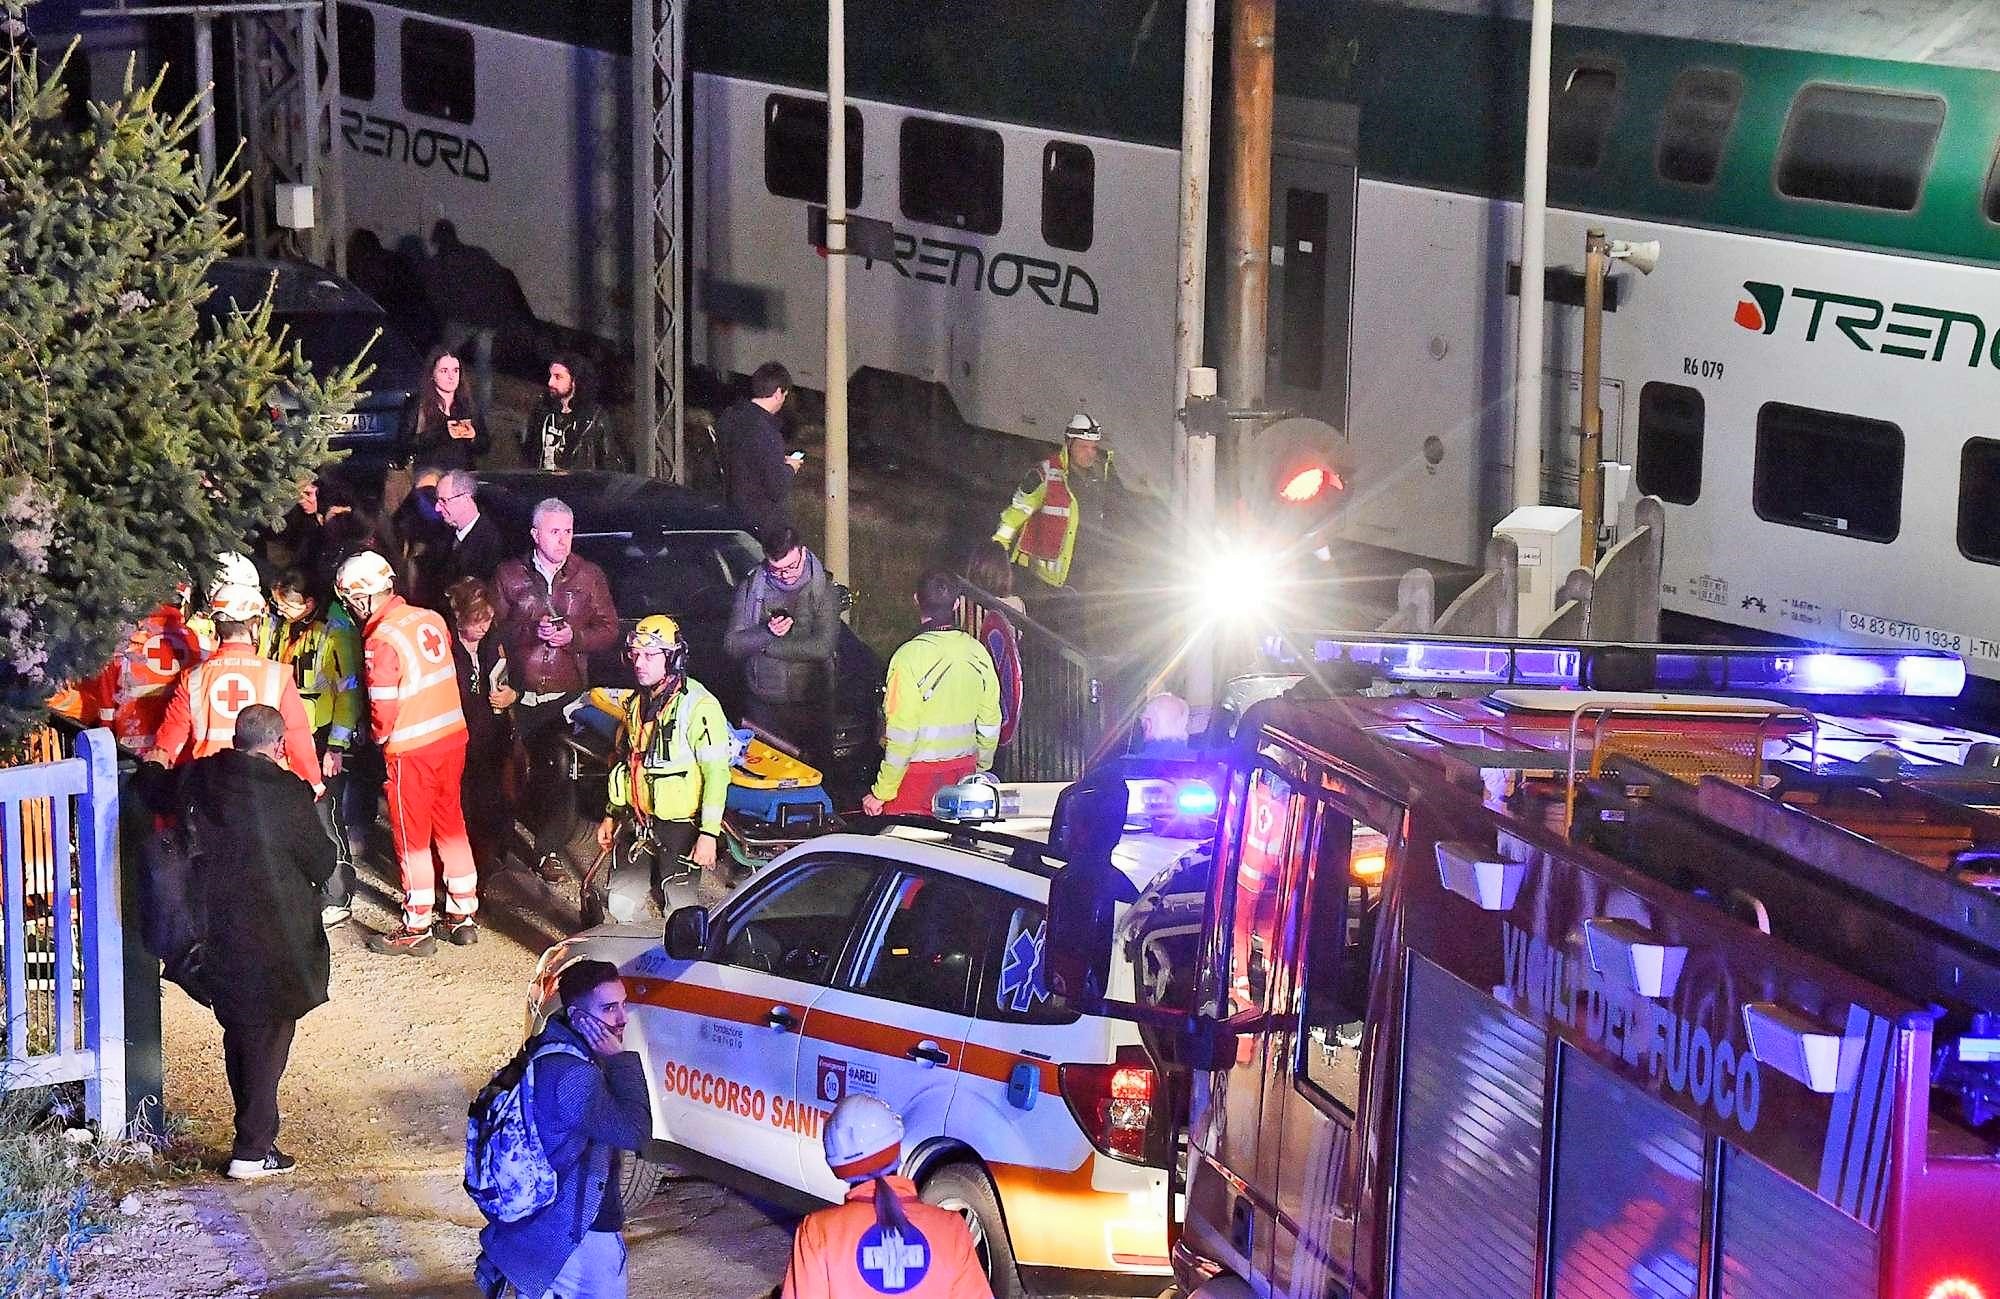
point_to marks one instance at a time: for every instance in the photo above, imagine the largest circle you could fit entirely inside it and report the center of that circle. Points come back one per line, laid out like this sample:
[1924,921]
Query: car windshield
[330,339]
[674,572]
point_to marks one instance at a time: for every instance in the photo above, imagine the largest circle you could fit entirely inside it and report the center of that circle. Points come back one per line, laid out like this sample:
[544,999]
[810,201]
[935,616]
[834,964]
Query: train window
[1671,420]
[1343,901]
[795,149]
[355,31]
[1979,500]
[1701,111]
[437,70]
[1627,1212]
[1867,148]
[951,174]
[1069,195]
[1829,472]
[1991,205]
[1252,890]
[1580,116]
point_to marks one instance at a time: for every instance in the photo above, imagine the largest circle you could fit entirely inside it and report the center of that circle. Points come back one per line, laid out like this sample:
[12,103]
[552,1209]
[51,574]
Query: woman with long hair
[484,696]
[442,425]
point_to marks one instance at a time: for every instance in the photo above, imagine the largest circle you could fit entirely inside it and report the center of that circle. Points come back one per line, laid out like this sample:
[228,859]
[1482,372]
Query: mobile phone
[557,620]
[797,457]
[780,612]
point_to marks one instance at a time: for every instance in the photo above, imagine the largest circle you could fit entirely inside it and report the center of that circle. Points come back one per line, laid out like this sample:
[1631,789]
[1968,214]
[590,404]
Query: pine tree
[135,442]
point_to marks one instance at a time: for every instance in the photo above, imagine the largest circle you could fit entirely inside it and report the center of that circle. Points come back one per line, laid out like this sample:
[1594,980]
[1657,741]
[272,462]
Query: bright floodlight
[1235,586]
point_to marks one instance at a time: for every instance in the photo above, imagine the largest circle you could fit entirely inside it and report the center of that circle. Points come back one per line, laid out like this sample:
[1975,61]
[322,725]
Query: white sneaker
[331,916]
[249,1170]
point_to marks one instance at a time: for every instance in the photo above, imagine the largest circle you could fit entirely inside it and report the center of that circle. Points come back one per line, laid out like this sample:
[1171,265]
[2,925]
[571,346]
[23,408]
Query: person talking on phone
[552,610]
[442,425]
[590,1108]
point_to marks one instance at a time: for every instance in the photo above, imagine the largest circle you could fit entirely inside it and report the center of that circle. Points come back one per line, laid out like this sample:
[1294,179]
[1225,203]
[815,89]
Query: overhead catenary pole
[204,80]
[1529,345]
[1589,480]
[1196,461]
[836,291]
[658,321]
[1252,41]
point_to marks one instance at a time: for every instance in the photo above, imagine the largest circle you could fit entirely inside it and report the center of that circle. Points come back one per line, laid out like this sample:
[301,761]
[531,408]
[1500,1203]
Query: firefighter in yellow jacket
[942,708]
[669,774]
[1039,527]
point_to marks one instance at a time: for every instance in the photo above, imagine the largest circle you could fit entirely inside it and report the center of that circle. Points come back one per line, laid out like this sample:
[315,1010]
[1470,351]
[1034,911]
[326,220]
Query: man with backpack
[542,1148]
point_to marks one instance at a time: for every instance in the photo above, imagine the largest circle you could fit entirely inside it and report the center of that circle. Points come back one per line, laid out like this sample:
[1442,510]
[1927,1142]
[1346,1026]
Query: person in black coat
[262,856]
[484,696]
[442,425]
[754,465]
[476,547]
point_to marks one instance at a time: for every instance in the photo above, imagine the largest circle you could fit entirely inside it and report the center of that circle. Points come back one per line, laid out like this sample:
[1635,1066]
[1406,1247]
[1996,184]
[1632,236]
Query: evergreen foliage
[135,442]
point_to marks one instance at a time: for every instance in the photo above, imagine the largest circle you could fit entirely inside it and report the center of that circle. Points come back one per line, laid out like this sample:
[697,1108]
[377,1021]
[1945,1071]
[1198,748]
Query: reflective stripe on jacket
[412,685]
[324,654]
[1039,526]
[676,767]
[942,702]
[201,716]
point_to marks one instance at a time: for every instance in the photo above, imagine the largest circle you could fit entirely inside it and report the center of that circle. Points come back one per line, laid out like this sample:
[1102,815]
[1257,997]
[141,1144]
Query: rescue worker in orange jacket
[201,714]
[130,695]
[883,1240]
[414,714]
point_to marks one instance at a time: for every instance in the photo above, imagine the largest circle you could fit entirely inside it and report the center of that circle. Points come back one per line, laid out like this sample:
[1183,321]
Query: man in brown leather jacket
[551,610]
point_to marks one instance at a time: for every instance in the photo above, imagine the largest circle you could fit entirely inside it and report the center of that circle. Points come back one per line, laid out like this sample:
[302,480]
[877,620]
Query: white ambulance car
[907,962]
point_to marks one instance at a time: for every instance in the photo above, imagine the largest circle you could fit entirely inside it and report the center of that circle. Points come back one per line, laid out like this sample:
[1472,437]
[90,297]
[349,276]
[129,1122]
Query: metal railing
[1064,712]
[61,945]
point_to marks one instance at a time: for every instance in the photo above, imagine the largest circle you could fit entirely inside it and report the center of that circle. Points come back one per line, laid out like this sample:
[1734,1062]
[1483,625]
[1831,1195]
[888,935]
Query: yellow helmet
[656,631]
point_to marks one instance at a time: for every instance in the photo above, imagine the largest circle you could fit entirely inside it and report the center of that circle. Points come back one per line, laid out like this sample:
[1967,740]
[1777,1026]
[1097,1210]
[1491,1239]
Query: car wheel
[637,1182]
[963,1189]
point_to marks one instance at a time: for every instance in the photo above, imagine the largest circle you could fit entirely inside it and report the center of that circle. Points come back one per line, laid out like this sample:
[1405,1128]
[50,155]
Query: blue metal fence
[61,945]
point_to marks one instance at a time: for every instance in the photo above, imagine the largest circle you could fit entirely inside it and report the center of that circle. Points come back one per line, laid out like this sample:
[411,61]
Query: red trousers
[923,779]
[427,826]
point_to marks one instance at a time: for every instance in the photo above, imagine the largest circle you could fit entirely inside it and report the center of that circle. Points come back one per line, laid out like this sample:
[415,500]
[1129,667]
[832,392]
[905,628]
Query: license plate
[357,422]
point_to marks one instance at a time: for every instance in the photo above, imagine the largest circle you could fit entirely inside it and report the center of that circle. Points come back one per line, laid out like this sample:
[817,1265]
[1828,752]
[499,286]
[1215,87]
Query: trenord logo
[1905,329]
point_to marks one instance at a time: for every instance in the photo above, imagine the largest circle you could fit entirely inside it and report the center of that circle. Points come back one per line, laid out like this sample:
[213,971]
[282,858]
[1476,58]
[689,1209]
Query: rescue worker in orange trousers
[941,708]
[883,1240]
[201,714]
[414,714]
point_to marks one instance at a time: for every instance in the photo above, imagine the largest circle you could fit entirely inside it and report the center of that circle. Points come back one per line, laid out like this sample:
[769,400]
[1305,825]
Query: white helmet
[1084,429]
[862,1137]
[235,602]
[363,575]
[234,569]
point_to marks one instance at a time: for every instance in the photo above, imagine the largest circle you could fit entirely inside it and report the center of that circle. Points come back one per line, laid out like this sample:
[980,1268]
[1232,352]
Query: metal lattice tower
[659,36]
[288,110]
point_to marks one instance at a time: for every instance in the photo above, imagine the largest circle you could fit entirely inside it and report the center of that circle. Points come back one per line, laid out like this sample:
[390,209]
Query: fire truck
[1583,971]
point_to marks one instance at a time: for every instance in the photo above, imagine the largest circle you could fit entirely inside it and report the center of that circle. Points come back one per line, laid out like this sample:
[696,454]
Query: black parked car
[332,321]
[665,549]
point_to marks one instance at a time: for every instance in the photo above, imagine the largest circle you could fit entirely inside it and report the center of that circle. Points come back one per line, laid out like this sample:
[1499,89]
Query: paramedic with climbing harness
[1039,527]
[669,771]
[941,708]
[883,1240]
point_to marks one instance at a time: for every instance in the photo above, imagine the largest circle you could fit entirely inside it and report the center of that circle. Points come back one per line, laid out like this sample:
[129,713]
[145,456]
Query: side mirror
[687,934]
[1084,896]
[1208,1045]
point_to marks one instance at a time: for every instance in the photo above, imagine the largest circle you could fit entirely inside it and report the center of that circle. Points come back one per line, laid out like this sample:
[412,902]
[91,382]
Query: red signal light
[1310,484]
[1956,1287]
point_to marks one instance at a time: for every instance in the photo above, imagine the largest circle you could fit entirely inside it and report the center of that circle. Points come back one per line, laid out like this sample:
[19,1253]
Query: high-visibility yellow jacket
[675,767]
[324,654]
[1039,526]
[942,702]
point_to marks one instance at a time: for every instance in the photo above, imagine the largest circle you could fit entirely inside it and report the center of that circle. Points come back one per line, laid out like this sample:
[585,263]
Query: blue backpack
[507,1173]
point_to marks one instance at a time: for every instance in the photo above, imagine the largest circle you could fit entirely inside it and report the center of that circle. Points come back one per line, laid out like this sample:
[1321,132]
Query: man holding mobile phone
[552,611]
[754,465]
[590,1105]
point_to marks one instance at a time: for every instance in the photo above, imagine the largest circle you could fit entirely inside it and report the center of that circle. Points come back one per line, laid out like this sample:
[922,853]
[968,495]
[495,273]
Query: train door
[1313,1090]
[1231,1199]
[1313,178]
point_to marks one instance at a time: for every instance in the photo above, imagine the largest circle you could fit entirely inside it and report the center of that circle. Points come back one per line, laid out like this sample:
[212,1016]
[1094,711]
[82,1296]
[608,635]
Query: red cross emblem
[432,643]
[230,694]
[163,655]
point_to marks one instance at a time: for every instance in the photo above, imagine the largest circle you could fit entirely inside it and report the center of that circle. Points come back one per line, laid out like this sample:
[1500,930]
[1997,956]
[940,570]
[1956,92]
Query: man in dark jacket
[754,465]
[585,1112]
[475,548]
[568,430]
[551,610]
[785,626]
[262,856]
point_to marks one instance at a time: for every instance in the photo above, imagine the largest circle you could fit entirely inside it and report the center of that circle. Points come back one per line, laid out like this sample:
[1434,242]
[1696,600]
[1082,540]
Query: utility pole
[1196,461]
[658,321]
[836,292]
[1598,254]
[1528,342]
[1252,44]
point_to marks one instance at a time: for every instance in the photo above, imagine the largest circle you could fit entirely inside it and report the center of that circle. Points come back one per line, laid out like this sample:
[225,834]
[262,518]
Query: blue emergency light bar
[1607,665]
